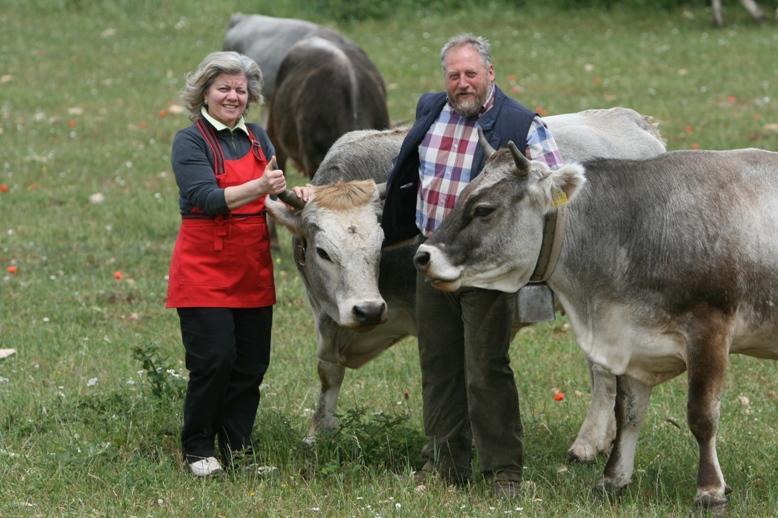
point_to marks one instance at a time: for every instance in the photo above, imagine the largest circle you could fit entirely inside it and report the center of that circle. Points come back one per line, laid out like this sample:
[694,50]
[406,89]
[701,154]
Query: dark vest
[507,120]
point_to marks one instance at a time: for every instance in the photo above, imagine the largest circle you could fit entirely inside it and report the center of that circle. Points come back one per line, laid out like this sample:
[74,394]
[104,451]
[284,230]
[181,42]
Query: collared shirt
[219,126]
[446,157]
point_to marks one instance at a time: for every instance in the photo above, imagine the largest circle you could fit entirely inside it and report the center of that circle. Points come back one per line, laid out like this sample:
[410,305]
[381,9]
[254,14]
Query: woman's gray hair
[479,44]
[215,63]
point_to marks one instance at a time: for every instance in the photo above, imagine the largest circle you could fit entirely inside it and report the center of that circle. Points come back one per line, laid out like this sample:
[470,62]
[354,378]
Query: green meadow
[90,404]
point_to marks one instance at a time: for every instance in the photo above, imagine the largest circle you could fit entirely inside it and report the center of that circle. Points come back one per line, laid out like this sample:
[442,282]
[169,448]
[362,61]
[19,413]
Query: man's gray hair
[215,63]
[479,44]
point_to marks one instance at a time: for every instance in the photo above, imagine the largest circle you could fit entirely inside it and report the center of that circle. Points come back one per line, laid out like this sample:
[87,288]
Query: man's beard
[469,106]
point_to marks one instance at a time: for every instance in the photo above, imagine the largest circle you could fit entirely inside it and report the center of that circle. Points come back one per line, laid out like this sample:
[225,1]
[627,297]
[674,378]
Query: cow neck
[551,246]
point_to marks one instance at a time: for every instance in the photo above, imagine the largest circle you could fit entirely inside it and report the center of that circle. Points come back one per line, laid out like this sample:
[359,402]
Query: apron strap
[209,134]
[256,147]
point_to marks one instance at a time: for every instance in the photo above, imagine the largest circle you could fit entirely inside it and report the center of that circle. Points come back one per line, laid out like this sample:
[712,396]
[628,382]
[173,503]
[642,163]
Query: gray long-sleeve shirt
[192,162]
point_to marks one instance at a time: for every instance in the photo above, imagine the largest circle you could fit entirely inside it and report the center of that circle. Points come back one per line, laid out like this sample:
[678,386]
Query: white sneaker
[205,467]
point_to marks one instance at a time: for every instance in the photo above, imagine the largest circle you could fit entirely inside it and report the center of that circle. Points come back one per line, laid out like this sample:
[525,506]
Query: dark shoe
[424,475]
[428,473]
[245,458]
[506,489]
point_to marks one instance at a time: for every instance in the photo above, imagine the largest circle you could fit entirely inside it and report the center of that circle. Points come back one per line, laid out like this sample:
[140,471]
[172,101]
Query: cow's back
[267,39]
[612,133]
[325,87]
[360,155]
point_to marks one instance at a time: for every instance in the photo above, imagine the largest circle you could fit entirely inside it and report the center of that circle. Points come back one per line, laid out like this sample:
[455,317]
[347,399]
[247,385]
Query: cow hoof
[581,453]
[711,501]
[608,489]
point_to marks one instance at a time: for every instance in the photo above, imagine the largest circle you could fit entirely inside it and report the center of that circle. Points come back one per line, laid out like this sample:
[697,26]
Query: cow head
[338,249]
[492,237]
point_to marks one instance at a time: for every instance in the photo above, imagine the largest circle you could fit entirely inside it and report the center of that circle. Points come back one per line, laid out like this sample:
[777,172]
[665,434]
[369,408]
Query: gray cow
[338,255]
[667,265]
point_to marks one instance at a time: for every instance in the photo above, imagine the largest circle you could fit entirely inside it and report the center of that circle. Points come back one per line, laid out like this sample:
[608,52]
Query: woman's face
[227,97]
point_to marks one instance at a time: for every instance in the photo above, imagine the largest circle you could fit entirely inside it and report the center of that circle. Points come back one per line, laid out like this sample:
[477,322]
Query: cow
[325,87]
[336,281]
[667,264]
[751,6]
[267,39]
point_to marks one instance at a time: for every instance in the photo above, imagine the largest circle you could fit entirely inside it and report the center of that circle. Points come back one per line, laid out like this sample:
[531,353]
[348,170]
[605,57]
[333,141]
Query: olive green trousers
[468,389]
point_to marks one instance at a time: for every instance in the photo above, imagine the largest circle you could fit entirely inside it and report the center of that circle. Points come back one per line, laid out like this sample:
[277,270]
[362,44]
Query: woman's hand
[303,192]
[272,180]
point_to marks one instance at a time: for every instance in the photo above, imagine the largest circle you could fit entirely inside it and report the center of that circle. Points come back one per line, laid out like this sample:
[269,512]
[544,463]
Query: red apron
[225,261]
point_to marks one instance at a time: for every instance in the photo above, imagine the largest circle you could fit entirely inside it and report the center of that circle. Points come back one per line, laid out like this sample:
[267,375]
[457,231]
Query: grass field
[86,430]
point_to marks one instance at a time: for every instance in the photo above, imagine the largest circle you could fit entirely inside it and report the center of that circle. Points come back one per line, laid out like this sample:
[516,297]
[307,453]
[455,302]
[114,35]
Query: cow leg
[331,376]
[599,427]
[707,362]
[631,403]
[718,19]
[753,8]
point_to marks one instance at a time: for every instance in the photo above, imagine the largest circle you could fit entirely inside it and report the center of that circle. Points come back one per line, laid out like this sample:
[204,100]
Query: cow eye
[324,255]
[482,211]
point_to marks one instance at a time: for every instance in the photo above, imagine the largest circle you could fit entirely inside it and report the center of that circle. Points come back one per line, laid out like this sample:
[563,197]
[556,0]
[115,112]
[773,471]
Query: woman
[221,272]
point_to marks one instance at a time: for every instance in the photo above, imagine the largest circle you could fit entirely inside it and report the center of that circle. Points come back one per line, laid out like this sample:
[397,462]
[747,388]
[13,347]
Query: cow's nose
[421,260]
[369,313]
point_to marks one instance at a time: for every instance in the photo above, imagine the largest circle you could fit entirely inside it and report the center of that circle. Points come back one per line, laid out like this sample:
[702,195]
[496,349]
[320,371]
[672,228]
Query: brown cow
[326,86]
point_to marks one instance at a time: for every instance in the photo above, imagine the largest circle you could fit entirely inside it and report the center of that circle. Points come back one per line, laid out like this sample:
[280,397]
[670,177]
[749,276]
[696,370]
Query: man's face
[467,79]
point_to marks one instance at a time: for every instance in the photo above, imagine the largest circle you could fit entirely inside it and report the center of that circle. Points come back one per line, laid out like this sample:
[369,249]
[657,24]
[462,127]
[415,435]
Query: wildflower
[11,269]
[118,275]
[4,187]
[559,395]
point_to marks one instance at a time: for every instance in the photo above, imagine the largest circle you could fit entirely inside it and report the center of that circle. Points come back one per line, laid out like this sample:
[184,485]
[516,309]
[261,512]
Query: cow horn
[488,149]
[381,188]
[290,198]
[522,164]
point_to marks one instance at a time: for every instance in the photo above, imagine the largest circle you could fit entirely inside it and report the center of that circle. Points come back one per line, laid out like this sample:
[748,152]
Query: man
[468,389]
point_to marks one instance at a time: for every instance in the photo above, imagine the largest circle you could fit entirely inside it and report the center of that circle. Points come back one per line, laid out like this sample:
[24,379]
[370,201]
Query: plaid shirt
[446,159]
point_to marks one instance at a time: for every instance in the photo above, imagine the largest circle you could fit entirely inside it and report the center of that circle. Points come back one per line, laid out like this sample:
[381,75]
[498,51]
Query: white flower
[92,382]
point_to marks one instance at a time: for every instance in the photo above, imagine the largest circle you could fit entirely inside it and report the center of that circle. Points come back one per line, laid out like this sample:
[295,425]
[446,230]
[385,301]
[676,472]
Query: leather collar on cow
[551,247]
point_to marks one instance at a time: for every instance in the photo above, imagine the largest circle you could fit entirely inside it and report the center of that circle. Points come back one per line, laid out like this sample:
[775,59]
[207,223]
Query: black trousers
[227,355]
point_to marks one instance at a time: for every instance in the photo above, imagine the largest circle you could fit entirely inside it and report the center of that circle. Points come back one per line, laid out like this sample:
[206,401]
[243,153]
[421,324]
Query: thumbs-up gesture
[273,178]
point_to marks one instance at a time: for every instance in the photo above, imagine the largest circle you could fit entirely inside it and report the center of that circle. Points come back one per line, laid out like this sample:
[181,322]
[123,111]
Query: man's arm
[541,145]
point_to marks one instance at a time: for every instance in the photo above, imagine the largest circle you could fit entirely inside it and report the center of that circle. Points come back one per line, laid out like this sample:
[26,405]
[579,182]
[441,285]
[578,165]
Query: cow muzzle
[369,313]
[432,262]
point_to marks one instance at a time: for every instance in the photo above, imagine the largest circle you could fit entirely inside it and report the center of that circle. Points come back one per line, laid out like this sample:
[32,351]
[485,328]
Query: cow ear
[553,189]
[566,183]
[378,199]
[284,215]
